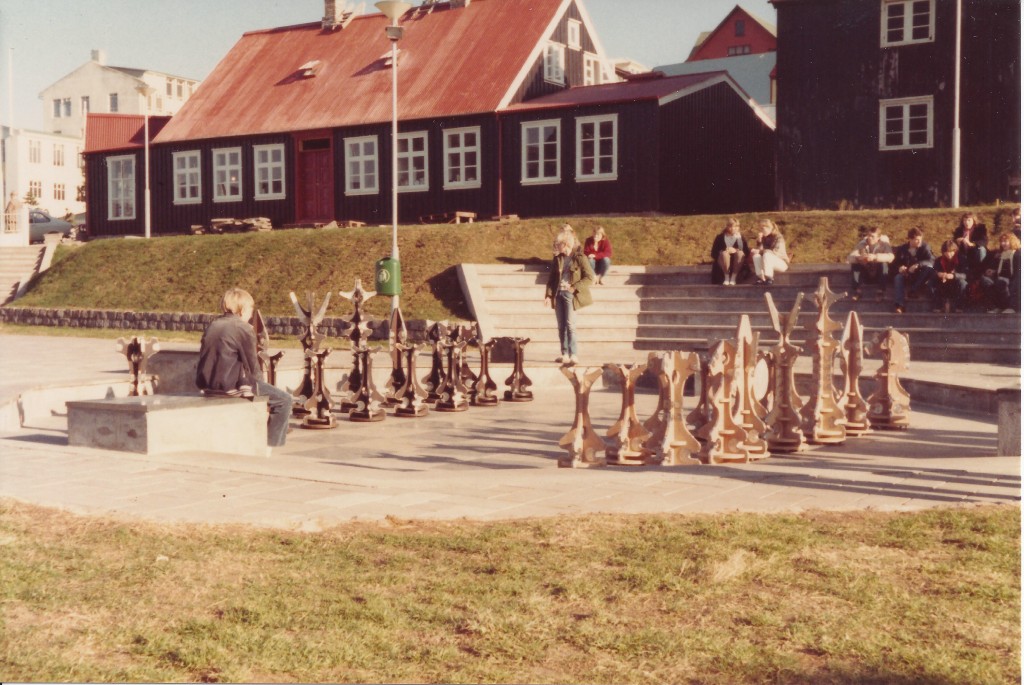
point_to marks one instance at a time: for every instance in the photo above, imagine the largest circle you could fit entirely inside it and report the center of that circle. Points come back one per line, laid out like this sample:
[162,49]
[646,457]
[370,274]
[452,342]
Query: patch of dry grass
[930,597]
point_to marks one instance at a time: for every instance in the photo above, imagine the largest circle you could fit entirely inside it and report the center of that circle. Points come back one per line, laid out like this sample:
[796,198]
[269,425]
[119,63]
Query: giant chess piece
[310,339]
[889,404]
[482,392]
[397,336]
[358,334]
[318,405]
[723,436]
[411,397]
[518,383]
[453,395]
[670,442]
[368,401]
[268,362]
[437,333]
[471,333]
[823,418]
[627,433]
[749,411]
[584,445]
[853,404]
[783,420]
[138,351]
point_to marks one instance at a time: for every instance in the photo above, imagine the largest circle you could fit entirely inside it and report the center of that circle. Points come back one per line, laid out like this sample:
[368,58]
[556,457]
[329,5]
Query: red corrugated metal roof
[636,90]
[453,61]
[105,132]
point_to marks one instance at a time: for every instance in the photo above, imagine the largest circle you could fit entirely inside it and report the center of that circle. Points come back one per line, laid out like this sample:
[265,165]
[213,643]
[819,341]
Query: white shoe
[573,360]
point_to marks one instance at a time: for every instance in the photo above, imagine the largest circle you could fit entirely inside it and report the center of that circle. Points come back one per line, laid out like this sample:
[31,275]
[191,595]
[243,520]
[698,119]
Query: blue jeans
[924,277]
[566,317]
[279,403]
[600,266]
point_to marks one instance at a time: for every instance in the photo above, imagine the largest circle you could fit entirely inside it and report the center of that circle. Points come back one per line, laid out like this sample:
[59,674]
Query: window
[66,103]
[170,86]
[574,35]
[160,104]
[740,28]
[541,152]
[56,108]
[58,154]
[85,105]
[554,63]
[121,187]
[591,69]
[907,21]
[269,171]
[227,174]
[361,165]
[905,124]
[113,102]
[462,158]
[597,148]
[35,189]
[35,152]
[58,191]
[412,161]
[187,178]
[181,89]
[734,50]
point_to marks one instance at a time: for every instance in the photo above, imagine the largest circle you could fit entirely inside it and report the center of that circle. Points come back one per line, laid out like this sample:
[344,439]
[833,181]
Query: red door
[315,191]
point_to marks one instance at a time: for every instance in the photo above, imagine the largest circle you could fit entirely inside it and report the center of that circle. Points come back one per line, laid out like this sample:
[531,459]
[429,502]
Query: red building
[740,33]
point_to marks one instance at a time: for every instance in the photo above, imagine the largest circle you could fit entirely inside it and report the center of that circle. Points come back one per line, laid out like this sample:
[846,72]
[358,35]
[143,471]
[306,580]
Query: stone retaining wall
[180,321]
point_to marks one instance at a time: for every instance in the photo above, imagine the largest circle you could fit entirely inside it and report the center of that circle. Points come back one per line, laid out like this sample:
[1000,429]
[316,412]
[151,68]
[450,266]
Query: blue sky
[52,38]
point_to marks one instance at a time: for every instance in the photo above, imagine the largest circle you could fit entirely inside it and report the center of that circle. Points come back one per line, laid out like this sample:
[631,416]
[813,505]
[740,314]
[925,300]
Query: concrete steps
[17,266]
[661,308]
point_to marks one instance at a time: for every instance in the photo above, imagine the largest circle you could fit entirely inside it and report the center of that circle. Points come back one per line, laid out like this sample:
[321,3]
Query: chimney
[334,14]
[460,3]
[100,57]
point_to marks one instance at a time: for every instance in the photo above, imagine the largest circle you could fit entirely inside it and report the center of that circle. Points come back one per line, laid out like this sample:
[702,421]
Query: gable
[452,61]
[740,33]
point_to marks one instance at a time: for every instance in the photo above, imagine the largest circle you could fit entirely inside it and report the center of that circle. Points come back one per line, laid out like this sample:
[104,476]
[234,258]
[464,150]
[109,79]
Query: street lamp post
[393,9]
[145,91]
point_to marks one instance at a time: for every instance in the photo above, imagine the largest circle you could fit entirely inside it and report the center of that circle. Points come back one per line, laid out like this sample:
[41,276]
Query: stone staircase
[17,266]
[639,309]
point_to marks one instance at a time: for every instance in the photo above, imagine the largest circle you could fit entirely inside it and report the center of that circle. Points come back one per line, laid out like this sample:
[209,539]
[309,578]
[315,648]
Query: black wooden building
[866,98]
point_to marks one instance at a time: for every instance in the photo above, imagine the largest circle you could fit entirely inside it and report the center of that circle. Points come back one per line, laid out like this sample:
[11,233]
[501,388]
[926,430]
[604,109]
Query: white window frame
[188,177]
[35,152]
[905,104]
[269,171]
[356,182]
[591,69]
[408,158]
[906,32]
[224,189]
[573,33]
[58,154]
[597,174]
[58,191]
[541,178]
[56,108]
[554,63]
[121,188]
[461,151]
[66,102]
[35,189]
[84,104]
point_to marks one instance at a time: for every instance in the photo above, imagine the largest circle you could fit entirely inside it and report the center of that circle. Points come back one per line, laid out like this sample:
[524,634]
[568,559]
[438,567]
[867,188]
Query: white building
[96,87]
[47,165]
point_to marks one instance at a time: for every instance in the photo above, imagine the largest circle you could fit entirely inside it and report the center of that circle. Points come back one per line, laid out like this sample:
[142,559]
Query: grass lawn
[862,597]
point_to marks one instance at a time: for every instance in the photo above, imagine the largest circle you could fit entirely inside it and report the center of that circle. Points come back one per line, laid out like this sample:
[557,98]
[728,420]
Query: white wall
[19,172]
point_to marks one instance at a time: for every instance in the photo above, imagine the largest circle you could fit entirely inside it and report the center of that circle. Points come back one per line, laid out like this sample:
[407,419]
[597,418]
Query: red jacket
[603,249]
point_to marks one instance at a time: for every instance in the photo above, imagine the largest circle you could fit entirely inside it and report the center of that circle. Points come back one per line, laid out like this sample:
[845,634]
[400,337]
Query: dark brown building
[866,98]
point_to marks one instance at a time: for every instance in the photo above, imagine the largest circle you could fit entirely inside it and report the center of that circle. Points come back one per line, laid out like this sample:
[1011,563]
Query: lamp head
[393,9]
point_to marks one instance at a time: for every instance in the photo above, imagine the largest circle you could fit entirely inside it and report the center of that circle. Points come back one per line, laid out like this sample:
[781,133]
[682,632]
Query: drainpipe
[501,166]
[955,195]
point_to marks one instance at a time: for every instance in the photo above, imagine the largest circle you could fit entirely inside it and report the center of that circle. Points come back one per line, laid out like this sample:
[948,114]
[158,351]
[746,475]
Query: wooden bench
[448,218]
[159,424]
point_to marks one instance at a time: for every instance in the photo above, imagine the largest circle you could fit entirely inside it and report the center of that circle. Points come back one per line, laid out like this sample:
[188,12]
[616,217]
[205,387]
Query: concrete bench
[158,424]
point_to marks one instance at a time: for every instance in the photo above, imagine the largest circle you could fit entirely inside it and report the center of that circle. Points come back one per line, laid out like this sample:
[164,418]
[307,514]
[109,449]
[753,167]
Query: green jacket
[580,278]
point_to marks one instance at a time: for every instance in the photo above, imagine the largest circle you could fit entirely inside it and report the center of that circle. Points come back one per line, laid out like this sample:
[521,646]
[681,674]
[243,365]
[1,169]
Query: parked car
[40,223]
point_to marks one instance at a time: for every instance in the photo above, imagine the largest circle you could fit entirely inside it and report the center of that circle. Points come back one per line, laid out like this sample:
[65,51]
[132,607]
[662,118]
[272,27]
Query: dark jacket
[924,257]
[1011,267]
[227,357]
[717,276]
[580,278]
[979,235]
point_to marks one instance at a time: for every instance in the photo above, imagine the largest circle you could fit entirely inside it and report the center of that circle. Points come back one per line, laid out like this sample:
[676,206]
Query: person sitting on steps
[869,262]
[769,255]
[729,252]
[950,279]
[913,265]
[1000,276]
[598,249]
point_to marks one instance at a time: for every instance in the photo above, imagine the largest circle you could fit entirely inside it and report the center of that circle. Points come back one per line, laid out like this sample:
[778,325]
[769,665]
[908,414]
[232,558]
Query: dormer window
[309,69]
[554,63]
[573,35]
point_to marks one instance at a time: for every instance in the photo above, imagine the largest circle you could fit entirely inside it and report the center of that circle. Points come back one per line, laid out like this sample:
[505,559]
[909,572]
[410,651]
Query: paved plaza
[486,463]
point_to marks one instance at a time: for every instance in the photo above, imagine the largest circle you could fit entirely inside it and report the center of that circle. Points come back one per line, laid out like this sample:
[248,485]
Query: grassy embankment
[189,273]
[863,597]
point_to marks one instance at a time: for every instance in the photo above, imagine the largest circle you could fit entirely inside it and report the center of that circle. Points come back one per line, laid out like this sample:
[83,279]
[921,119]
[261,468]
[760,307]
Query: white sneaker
[573,360]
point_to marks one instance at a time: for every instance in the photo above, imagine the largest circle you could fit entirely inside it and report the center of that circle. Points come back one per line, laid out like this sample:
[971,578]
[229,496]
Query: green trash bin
[388,278]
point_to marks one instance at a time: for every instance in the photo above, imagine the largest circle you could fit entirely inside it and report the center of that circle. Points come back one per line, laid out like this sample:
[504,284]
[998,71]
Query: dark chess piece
[482,391]
[518,383]
[318,405]
[138,351]
[310,339]
[368,401]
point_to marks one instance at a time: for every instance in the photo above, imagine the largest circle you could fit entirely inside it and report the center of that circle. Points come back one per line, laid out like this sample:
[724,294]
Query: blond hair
[236,301]
[1014,240]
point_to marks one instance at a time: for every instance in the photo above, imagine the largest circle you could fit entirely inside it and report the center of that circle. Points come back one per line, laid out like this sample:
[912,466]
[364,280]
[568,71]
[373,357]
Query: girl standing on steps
[568,289]
[770,253]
